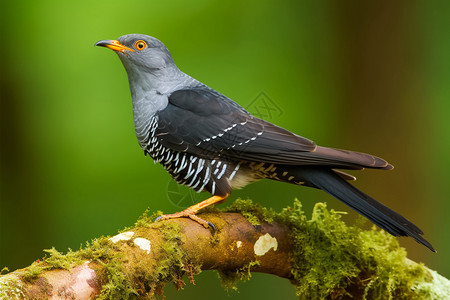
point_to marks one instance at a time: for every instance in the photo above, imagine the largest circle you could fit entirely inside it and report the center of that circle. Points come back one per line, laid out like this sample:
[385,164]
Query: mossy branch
[321,256]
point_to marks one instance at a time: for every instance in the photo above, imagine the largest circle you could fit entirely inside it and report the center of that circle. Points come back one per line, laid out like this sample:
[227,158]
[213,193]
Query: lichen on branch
[320,255]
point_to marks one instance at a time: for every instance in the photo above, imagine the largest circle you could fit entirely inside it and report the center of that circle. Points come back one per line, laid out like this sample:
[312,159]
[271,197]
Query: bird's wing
[207,124]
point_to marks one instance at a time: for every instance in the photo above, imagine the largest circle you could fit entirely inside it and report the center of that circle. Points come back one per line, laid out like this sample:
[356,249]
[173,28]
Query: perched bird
[208,142]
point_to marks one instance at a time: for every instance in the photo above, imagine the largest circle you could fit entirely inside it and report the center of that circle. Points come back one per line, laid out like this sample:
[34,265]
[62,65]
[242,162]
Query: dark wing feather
[207,124]
[203,122]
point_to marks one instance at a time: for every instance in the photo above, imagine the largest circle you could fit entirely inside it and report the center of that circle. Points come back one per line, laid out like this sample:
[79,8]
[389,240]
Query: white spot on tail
[238,244]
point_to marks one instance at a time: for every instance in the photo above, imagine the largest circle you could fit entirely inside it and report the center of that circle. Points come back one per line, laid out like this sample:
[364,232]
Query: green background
[372,76]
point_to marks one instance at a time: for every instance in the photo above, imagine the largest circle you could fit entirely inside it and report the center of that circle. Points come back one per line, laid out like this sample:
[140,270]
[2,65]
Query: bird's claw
[212,226]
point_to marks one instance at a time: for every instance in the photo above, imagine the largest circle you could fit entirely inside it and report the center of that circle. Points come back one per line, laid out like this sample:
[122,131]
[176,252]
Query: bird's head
[139,51]
[147,61]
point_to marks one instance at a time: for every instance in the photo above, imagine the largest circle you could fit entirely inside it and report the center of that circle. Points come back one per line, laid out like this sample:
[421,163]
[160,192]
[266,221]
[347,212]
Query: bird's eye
[140,45]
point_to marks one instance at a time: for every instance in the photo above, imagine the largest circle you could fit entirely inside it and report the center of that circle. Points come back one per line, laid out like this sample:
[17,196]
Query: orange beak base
[113,45]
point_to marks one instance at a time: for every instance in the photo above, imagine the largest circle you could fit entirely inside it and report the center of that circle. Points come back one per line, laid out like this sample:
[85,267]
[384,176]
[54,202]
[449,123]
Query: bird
[208,142]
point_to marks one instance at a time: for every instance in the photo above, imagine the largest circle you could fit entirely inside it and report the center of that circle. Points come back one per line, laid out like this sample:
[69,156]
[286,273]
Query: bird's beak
[113,45]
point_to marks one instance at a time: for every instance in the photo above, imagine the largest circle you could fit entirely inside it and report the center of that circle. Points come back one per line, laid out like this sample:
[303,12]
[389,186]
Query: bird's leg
[192,210]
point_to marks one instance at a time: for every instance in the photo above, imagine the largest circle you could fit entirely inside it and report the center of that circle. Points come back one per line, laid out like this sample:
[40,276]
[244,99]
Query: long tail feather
[381,215]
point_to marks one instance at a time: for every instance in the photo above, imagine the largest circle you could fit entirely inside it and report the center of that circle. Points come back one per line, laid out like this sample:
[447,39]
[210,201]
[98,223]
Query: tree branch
[322,257]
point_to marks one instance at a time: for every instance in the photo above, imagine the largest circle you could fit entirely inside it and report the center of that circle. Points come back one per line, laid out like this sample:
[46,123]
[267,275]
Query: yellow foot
[187,213]
[192,210]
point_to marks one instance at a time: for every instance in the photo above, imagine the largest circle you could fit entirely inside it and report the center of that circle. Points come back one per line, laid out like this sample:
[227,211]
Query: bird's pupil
[140,45]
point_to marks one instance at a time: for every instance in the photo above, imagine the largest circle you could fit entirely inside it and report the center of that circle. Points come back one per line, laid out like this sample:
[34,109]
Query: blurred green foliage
[369,76]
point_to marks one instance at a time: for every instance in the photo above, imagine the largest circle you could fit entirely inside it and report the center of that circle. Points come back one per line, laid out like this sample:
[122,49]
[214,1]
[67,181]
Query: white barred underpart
[184,167]
[197,173]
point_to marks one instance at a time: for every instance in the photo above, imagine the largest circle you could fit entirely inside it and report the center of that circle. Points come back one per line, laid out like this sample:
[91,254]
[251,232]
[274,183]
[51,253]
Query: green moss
[254,213]
[230,278]
[172,264]
[214,240]
[118,284]
[32,272]
[11,287]
[322,260]
[146,220]
[57,260]
[149,281]
[100,250]
[330,256]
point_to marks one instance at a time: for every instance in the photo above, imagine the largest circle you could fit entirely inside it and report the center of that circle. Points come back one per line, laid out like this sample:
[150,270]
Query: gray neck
[150,92]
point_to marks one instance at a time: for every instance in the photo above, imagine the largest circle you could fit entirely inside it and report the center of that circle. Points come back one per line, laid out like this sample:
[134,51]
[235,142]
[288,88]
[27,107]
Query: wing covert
[208,124]
[205,123]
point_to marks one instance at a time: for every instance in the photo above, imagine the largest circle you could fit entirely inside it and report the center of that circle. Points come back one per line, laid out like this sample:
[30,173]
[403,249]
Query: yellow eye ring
[140,45]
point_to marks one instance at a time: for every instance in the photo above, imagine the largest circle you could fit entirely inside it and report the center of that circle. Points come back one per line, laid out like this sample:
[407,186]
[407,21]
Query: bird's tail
[381,215]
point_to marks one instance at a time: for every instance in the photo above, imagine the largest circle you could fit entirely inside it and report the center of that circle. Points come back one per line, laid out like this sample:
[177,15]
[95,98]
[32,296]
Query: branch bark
[142,259]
